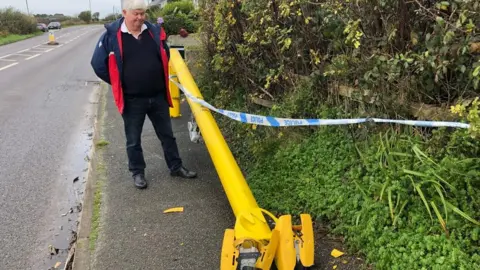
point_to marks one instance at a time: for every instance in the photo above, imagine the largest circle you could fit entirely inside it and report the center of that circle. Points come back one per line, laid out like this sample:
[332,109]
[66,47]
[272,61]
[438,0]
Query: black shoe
[140,181]
[184,173]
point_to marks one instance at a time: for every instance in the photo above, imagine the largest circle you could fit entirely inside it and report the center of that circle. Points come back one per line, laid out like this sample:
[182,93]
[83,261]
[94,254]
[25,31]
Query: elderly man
[132,56]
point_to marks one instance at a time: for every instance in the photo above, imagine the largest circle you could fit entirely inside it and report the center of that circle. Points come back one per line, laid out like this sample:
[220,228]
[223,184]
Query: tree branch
[261,88]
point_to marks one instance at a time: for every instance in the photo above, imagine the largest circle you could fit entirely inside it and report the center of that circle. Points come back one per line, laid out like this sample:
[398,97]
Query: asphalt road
[47,106]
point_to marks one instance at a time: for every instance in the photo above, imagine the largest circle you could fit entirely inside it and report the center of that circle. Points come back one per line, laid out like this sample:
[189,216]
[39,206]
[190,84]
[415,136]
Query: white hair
[134,4]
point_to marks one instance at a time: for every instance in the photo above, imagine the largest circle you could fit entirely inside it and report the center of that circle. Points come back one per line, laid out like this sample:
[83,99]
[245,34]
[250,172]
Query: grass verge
[97,203]
[402,197]
[101,143]
[14,38]
[101,176]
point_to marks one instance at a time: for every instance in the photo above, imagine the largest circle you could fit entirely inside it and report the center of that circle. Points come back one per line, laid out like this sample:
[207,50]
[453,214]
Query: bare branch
[261,88]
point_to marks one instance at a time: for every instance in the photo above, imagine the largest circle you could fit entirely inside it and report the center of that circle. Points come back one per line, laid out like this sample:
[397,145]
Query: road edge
[81,251]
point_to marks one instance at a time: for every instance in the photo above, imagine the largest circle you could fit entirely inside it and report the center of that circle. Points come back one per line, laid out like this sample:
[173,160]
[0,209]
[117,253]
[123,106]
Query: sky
[67,7]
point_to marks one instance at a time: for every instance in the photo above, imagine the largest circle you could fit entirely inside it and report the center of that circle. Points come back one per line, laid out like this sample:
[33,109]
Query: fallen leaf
[344,262]
[181,244]
[335,267]
[58,264]
[173,210]
[336,253]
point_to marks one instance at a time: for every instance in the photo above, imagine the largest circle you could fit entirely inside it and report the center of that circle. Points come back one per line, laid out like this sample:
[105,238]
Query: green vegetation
[177,15]
[393,197]
[404,197]
[101,143]
[14,22]
[16,26]
[97,203]
[100,171]
[14,38]
[85,16]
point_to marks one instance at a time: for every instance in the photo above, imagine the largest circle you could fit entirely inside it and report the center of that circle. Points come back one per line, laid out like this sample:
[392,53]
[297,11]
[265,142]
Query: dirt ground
[324,244]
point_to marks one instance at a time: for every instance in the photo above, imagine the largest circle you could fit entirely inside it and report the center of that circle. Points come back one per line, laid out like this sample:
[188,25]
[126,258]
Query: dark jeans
[134,117]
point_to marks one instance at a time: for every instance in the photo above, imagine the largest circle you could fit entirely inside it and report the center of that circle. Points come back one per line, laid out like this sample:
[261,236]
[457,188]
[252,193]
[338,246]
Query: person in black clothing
[132,56]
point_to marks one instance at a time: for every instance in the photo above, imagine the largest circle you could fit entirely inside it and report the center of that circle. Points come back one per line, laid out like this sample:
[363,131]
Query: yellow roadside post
[254,242]
[175,94]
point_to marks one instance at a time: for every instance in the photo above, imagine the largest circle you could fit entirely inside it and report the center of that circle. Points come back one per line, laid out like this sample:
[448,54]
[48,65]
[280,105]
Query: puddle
[70,190]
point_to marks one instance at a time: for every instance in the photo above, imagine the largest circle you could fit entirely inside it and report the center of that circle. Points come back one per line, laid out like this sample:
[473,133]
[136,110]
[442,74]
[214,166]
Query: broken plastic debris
[174,210]
[336,253]
[52,250]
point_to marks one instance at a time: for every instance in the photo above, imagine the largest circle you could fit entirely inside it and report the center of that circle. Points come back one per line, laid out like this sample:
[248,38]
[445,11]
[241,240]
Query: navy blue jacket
[107,58]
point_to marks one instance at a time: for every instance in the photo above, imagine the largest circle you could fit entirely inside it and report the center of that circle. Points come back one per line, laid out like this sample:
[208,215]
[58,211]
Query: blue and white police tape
[286,122]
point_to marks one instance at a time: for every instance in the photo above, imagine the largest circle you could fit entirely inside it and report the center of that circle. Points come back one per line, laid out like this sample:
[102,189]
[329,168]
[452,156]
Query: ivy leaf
[463,18]
[476,71]
[440,21]
[414,38]
[443,5]
[448,37]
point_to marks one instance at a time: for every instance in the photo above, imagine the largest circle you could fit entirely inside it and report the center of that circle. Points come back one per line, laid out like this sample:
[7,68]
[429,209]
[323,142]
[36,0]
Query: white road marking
[21,54]
[36,51]
[33,56]
[43,48]
[9,66]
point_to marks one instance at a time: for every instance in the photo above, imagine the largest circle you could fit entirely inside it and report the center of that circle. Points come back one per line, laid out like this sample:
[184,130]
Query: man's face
[134,18]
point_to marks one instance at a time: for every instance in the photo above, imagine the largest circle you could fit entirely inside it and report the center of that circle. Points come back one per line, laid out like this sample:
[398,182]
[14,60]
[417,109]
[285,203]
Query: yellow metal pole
[238,193]
[175,94]
[252,236]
